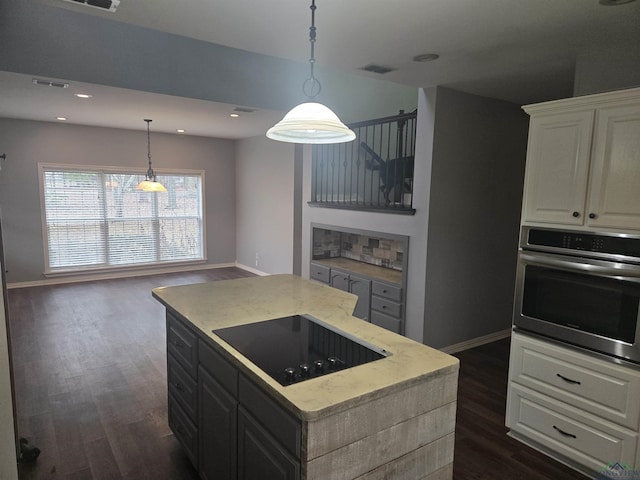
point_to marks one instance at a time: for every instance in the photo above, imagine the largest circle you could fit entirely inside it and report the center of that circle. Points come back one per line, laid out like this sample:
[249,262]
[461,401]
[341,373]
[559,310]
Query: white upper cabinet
[583,162]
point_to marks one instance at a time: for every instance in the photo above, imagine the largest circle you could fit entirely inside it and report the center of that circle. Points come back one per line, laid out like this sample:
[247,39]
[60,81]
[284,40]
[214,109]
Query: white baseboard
[251,269]
[121,274]
[476,342]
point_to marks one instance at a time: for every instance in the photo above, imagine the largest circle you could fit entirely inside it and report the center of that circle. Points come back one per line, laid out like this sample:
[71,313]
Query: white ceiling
[515,50]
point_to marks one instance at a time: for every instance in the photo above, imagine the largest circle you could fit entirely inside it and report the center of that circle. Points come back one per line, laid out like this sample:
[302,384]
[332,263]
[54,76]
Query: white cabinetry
[583,162]
[575,407]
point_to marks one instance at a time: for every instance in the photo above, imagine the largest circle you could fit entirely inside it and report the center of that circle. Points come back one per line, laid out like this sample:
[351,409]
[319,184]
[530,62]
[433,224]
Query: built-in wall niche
[369,247]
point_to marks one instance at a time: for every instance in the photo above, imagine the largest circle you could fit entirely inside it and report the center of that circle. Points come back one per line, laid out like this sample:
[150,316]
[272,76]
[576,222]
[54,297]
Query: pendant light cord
[150,174]
[311,87]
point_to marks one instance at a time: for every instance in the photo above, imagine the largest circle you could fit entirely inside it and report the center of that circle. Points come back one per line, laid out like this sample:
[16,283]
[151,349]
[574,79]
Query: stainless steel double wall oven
[580,288]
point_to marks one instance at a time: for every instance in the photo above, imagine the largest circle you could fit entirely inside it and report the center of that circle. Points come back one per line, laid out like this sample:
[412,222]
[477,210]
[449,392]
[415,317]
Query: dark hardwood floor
[90,372]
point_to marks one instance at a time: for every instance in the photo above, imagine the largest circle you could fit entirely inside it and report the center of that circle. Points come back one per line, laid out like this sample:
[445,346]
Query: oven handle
[581,266]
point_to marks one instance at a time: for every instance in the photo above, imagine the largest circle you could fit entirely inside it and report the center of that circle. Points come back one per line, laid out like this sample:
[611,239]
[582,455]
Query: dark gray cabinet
[359,286]
[228,426]
[217,421]
[260,455]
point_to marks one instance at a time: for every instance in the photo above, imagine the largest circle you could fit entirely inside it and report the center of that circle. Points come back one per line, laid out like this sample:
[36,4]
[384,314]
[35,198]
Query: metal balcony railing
[373,173]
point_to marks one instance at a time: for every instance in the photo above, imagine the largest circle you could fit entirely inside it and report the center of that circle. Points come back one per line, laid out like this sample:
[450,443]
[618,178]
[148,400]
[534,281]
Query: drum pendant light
[311,122]
[149,184]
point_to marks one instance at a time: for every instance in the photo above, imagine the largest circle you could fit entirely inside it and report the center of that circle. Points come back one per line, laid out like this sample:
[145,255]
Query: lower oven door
[589,303]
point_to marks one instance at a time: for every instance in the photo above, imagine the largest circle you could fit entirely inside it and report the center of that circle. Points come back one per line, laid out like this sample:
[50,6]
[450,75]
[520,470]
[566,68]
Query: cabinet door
[362,288]
[557,169]
[260,456]
[615,184]
[339,280]
[217,428]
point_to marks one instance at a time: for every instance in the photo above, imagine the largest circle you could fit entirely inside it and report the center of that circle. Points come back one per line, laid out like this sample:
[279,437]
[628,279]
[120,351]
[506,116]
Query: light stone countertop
[226,303]
[372,271]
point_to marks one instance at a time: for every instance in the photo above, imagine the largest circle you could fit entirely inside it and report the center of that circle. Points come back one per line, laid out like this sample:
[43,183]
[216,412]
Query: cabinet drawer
[385,321]
[386,290]
[182,386]
[602,388]
[393,309]
[184,430]
[219,368]
[182,344]
[319,272]
[284,427]
[568,431]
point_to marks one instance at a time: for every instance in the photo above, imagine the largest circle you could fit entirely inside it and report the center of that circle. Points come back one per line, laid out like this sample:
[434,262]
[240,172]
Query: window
[93,217]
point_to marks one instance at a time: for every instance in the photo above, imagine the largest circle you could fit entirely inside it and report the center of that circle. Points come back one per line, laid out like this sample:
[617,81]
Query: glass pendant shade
[311,122]
[151,186]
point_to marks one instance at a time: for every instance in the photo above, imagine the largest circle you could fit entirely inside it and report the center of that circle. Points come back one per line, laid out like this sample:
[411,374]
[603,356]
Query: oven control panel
[603,245]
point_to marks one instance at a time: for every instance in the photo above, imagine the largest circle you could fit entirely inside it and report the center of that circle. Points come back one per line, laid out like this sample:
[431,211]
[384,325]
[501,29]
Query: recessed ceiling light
[62,119]
[426,57]
[614,3]
[180,130]
[234,115]
[83,95]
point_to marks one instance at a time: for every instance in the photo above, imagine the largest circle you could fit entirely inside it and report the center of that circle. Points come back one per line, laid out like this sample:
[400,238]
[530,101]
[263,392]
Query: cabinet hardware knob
[384,291]
[178,387]
[568,380]
[562,432]
[576,214]
[592,215]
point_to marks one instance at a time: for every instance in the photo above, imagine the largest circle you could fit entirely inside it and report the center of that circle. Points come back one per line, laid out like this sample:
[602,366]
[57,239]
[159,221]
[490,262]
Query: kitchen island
[390,418]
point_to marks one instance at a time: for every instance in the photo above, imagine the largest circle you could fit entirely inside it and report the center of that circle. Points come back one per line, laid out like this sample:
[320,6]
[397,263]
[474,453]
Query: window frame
[102,169]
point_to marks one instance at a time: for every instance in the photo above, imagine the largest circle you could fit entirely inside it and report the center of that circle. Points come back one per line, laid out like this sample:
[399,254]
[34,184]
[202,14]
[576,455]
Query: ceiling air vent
[50,83]
[377,69]
[243,110]
[109,5]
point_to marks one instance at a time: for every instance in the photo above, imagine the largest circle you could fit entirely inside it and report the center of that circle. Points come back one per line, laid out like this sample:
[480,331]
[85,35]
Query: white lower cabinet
[573,406]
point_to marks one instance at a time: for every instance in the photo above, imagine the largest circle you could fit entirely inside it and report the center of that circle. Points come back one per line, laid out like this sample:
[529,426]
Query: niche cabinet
[370,265]
[583,162]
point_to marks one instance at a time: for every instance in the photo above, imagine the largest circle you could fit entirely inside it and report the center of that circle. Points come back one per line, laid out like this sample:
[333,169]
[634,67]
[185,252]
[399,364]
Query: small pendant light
[311,122]
[149,184]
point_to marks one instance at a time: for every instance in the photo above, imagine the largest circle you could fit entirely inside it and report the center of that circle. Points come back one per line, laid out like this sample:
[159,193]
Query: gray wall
[26,143]
[475,199]
[265,205]
[469,169]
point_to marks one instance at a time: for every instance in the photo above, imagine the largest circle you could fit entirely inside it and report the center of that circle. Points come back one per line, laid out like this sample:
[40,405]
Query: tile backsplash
[367,248]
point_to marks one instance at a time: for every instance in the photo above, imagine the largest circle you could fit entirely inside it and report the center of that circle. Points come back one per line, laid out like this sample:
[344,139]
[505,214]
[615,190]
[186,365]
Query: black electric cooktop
[297,348]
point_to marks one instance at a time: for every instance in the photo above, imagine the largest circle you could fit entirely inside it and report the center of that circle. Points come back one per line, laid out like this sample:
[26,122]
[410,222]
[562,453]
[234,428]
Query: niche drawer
[579,436]
[182,386]
[182,344]
[385,321]
[605,389]
[386,306]
[387,290]
[319,272]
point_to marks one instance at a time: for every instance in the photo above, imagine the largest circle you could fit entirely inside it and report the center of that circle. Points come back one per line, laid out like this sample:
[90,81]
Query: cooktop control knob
[319,366]
[290,374]
[335,363]
[305,370]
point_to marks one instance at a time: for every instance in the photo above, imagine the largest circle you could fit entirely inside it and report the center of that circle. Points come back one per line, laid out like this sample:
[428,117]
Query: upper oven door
[591,303]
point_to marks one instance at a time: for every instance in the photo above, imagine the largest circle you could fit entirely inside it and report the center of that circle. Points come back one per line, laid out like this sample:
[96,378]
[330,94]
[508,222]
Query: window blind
[97,219]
